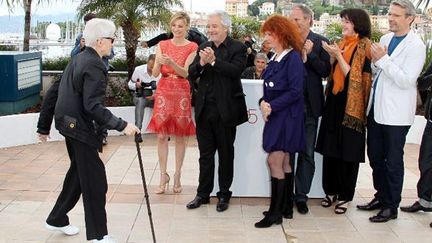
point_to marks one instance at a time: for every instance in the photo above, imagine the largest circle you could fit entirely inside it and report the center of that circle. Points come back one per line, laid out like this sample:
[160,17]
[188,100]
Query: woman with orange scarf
[341,138]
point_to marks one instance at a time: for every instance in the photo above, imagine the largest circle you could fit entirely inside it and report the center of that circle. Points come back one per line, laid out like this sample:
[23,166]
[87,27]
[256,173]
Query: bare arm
[157,65]
[336,54]
[343,64]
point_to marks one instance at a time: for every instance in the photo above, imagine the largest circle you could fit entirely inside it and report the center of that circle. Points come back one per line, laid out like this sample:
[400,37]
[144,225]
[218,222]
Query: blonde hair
[180,15]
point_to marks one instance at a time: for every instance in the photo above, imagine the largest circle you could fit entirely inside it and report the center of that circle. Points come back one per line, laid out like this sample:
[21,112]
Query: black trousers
[424,185]
[305,167]
[385,149]
[339,178]
[86,176]
[213,135]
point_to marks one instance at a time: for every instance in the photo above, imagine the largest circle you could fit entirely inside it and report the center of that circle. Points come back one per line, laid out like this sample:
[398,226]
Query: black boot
[273,189]
[274,215]
[288,197]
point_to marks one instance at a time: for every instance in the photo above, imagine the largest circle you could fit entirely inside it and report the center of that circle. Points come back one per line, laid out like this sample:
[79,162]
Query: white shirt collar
[279,58]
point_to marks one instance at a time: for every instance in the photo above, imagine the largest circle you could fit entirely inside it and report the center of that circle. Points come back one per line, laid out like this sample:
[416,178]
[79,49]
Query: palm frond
[424,3]
[133,16]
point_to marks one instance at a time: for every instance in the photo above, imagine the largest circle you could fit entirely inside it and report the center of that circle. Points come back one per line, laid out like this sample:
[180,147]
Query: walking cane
[137,141]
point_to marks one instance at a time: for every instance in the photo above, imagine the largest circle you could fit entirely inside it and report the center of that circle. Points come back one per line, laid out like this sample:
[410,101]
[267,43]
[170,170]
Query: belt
[172,76]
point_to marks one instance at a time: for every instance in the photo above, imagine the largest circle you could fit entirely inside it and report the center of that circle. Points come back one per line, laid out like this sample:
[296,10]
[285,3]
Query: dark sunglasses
[109,38]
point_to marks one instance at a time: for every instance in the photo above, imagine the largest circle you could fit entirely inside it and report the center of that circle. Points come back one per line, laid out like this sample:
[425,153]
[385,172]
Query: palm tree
[425,3]
[26,4]
[133,16]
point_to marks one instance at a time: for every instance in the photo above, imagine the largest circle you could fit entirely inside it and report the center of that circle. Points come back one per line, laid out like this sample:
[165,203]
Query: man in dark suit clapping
[317,64]
[424,184]
[219,107]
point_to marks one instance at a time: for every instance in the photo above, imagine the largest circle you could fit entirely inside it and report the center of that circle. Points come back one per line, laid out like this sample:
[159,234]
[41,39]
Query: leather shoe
[302,207]
[222,204]
[197,201]
[415,208]
[384,215]
[372,205]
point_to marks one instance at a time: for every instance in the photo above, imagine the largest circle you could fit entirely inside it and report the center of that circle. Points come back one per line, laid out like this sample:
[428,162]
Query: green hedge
[8,48]
[55,64]
[120,64]
[61,62]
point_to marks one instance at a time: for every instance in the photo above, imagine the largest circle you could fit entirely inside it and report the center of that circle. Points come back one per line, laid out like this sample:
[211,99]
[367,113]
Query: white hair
[96,29]
[224,17]
[261,56]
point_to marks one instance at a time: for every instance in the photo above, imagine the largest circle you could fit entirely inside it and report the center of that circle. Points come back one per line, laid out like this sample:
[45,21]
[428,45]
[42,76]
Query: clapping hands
[307,48]
[206,56]
[377,51]
[332,49]
[166,60]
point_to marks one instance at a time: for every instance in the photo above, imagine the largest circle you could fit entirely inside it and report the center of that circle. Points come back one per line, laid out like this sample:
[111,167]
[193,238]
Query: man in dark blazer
[193,35]
[81,117]
[424,184]
[219,107]
[317,63]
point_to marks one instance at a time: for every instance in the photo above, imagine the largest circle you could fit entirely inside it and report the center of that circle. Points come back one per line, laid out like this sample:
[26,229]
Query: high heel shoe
[164,183]
[177,188]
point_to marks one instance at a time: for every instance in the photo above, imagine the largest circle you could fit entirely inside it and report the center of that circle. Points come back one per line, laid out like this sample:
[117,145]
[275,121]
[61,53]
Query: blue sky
[69,6]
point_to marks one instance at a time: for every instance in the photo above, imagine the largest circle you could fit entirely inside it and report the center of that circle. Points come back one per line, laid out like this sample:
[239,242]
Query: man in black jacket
[219,107]
[80,117]
[317,63]
[194,35]
[424,185]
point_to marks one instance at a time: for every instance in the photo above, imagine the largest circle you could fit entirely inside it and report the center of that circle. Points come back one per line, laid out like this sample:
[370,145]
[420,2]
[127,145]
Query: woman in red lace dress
[172,109]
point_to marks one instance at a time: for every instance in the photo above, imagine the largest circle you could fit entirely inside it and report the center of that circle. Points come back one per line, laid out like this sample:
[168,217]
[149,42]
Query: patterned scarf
[359,88]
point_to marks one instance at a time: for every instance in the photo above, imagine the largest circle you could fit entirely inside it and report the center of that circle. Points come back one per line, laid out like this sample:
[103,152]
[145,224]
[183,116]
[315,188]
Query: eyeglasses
[109,38]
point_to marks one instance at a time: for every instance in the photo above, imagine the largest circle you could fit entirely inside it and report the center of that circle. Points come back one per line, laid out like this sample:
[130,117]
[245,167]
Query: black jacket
[79,110]
[224,76]
[318,67]
[424,83]
[194,35]
[47,110]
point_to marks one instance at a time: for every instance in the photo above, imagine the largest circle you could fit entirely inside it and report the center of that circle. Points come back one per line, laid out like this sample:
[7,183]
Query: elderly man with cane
[77,103]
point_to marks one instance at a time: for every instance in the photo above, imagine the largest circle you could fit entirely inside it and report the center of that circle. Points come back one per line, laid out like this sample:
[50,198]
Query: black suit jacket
[318,67]
[225,79]
[424,83]
[78,98]
[47,110]
[194,35]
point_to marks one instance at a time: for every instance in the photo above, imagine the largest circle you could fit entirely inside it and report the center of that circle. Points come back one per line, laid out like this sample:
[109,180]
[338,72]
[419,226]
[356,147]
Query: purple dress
[283,89]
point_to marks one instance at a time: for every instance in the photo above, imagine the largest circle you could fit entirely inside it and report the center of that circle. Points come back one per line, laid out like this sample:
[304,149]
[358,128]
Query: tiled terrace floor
[31,177]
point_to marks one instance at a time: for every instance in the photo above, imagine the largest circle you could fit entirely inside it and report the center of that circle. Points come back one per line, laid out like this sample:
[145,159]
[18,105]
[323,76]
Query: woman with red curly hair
[282,110]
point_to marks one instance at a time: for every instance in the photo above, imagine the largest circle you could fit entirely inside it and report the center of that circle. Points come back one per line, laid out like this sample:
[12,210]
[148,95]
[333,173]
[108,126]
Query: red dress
[172,113]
